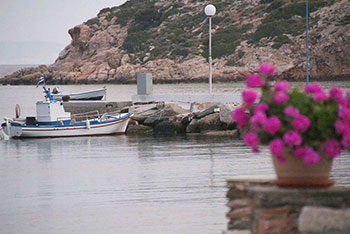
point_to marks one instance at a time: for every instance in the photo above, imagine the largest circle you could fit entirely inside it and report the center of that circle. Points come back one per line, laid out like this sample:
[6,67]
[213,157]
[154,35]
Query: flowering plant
[305,123]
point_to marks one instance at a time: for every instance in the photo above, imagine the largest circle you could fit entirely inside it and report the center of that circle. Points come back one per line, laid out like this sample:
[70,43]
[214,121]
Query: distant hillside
[29,52]
[8,69]
[169,38]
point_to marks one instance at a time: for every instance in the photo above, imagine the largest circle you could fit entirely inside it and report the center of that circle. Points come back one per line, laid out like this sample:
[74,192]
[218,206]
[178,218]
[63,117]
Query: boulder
[208,123]
[171,109]
[206,112]
[142,112]
[138,130]
[166,112]
[153,119]
[225,113]
[193,127]
[167,127]
[211,123]
[80,33]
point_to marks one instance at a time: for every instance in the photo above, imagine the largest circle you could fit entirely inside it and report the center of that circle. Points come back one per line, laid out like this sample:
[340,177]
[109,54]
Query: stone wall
[257,206]
[76,107]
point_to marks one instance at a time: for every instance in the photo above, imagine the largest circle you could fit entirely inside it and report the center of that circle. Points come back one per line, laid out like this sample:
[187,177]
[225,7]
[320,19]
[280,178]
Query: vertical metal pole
[307,41]
[210,61]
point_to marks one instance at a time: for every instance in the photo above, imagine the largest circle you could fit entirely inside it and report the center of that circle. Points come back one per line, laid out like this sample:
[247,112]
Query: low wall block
[257,206]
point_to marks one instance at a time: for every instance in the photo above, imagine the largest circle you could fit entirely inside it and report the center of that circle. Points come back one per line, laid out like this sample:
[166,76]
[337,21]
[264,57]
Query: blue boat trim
[64,128]
[66,123]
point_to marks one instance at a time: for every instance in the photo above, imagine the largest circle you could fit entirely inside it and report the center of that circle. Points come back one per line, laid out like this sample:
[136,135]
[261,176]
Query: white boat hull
[97,94]
[111,127]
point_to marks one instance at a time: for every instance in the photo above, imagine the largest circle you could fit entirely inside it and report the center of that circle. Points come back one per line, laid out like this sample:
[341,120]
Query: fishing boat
[53,121]
[97,94]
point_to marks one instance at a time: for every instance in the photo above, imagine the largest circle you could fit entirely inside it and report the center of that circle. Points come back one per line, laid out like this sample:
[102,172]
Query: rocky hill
[169,38]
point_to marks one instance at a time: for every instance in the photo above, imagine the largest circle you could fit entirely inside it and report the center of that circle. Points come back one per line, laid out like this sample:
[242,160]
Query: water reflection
[107,184]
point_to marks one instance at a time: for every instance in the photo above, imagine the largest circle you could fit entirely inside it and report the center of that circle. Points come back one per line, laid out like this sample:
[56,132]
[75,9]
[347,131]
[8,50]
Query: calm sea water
[122,184]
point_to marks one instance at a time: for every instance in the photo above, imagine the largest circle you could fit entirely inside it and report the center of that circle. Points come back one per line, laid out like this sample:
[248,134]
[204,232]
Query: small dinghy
[53,121]
[97,94]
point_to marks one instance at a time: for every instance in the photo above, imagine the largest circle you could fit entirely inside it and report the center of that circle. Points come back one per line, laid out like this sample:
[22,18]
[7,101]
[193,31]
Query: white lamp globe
[210,10]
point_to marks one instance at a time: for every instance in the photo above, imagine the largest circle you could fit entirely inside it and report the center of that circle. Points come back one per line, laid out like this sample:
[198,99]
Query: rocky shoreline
[173,119]
[31,75]
[160,118]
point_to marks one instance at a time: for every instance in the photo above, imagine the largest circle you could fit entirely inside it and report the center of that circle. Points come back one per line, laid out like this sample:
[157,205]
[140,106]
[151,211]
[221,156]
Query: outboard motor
[56,90]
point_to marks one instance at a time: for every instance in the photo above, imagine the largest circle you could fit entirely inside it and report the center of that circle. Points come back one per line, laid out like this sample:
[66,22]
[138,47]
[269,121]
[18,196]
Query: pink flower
[240,117]
[299,153]
[291,111]
[337,95]
[335,92]
[281,158]
[301,123]
[313,88]
[319,96]
[252,139]
[249,97]
[279,98]
[267,69]
[310,156]
[262,107]
[254,81]
[272,125]
[348,97]
[276,148]
[317,92]
[344,113]
[292,138]
[259,118]
[342,126]
[281,86]
[307,154]
[331,147]
[346,141]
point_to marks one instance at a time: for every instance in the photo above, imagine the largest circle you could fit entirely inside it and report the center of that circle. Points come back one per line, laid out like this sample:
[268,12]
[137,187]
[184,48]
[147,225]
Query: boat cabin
[51,112]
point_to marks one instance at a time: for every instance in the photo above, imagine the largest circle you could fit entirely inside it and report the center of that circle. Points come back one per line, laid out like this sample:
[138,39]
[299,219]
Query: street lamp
[210,11]
[307,40]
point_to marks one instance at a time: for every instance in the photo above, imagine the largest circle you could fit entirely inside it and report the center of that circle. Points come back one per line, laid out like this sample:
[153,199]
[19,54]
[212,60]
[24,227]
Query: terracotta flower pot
[295,173]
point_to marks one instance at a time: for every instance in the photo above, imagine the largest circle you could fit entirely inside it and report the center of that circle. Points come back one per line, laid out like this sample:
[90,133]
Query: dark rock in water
[193,127]
[169,128]
[206,112]
[143,115]
[153,119]
[139,130]
[208,123]
[186,121]
[211,122]
[172,119]
[165,112]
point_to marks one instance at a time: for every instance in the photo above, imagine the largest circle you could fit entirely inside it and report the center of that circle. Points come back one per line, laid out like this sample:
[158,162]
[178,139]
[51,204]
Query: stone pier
[257,206]
[76,107]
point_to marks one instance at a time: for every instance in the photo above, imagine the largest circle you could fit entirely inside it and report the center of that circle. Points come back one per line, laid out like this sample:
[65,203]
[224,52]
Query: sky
[45,20]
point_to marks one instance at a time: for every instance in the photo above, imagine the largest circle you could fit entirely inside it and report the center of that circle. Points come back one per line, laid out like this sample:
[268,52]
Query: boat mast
[47,92]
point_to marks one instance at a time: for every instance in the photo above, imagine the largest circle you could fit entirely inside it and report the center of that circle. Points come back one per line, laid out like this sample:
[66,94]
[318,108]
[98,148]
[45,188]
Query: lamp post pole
[307,41]
[210,60]
[210,11]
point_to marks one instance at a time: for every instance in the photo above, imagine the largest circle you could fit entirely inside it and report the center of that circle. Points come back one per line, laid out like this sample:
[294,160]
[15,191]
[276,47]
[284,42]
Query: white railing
[89,115]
